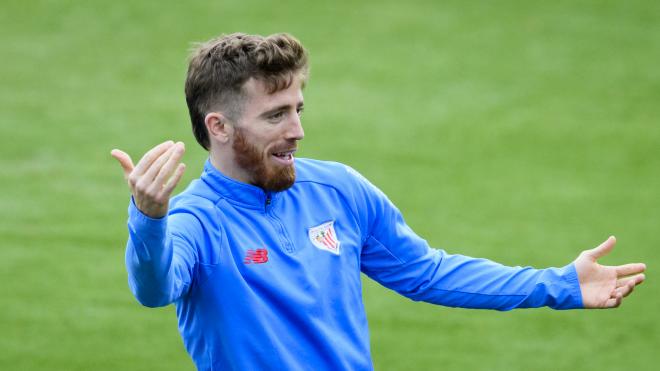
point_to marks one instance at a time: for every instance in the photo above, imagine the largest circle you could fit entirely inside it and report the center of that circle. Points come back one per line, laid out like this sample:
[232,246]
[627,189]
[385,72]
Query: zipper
[277,223]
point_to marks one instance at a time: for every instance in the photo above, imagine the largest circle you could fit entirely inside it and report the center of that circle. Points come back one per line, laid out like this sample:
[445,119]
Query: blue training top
[267,280]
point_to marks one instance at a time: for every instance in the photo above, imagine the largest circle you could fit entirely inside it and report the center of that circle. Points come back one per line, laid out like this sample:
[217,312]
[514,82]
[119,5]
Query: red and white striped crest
[324,237]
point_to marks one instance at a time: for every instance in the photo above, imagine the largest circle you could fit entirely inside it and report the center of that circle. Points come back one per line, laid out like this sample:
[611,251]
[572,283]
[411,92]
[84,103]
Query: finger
[603,249]
[171,184]
[639,279]
[614,302]
[151,156]
[636,279]
[155,167]
[170,166]
[629,269]
[124,160]
[625,290]
[631,287]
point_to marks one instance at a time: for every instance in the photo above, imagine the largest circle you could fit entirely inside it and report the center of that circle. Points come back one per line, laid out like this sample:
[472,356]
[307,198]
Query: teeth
[284,155]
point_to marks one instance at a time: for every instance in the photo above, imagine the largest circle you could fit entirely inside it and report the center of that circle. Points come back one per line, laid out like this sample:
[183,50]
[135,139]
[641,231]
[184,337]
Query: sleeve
[160,256]
[393,255]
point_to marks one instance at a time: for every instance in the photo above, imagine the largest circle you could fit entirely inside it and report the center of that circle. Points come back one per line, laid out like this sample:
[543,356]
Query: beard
[251,159]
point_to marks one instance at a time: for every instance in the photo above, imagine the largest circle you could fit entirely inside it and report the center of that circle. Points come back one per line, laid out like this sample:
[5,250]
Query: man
[262,255]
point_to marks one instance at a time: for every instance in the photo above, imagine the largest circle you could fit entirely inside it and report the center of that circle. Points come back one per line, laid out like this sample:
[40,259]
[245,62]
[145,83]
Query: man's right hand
[155,176]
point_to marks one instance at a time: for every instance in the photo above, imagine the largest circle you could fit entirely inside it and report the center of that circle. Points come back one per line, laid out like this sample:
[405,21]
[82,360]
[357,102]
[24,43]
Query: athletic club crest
[324,237]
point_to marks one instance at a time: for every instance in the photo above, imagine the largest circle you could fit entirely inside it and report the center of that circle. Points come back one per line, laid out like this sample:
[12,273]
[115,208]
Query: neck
[225,163]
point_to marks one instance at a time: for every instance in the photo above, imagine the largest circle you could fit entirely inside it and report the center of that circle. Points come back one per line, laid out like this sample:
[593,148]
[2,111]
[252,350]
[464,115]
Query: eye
[276,116]
[300,111]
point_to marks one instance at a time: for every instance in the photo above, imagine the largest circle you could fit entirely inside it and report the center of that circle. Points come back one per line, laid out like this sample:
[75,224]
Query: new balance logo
[258,256]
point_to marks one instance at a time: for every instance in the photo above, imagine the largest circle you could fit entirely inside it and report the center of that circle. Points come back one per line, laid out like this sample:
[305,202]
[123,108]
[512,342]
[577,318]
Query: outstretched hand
[606,286]
[154,178]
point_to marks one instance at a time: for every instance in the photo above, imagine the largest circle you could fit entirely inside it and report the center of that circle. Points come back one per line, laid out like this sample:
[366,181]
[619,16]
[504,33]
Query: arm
[159,262]
[160,256]
[397,258]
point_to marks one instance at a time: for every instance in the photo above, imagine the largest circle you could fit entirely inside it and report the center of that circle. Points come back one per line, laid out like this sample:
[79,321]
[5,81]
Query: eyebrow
[279,108]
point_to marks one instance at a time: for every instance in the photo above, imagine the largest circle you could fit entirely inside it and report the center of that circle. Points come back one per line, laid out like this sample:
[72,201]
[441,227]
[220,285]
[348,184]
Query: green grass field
[509,130]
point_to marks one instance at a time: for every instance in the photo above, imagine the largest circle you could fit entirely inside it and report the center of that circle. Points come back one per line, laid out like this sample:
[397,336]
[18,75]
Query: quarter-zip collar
[236,192]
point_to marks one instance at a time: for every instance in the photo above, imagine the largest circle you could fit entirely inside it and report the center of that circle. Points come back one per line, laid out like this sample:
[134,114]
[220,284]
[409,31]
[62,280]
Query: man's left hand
[606,286]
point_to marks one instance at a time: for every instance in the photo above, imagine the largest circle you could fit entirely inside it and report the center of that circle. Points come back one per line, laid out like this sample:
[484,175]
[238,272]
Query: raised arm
[158,260]
[396,257]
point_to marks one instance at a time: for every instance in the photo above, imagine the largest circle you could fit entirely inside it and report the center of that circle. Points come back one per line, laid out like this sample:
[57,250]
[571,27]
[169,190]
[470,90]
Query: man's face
[266,135]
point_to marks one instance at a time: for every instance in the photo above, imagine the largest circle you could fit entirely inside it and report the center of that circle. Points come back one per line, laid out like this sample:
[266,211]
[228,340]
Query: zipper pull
[268,200]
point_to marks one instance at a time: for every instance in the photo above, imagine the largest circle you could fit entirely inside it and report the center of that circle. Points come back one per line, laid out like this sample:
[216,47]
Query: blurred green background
[519,131]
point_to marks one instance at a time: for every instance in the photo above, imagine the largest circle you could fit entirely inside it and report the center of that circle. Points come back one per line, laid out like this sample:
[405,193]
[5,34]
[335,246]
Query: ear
[218,126]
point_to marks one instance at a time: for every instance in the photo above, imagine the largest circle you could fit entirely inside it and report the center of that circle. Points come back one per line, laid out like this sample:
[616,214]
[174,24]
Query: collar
[236,192]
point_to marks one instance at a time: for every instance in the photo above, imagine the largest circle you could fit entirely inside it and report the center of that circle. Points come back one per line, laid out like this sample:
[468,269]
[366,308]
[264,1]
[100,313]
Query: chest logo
[324,237]
[258,256]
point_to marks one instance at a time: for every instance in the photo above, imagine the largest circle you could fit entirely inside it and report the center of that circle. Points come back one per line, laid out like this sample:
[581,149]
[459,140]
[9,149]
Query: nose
[295,130]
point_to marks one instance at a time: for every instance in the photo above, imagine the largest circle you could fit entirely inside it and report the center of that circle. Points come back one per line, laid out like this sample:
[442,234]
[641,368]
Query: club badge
[324,237]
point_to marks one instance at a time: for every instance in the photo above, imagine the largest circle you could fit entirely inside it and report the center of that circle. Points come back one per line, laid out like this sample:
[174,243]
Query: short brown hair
[220,67]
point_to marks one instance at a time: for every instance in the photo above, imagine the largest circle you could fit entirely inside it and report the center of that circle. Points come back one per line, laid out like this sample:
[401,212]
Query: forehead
[258,97]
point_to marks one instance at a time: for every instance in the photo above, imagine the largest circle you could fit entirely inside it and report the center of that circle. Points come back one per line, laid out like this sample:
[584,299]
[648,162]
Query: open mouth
[284,157]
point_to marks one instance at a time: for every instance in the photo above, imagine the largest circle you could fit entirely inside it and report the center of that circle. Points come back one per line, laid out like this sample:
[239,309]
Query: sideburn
[252,161]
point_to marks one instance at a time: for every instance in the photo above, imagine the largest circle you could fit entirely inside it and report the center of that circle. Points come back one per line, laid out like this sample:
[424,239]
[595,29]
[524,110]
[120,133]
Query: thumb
[603,249]
[124,160]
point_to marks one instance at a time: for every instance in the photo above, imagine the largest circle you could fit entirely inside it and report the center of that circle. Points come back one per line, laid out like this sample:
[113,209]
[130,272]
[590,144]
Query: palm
[606,286]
